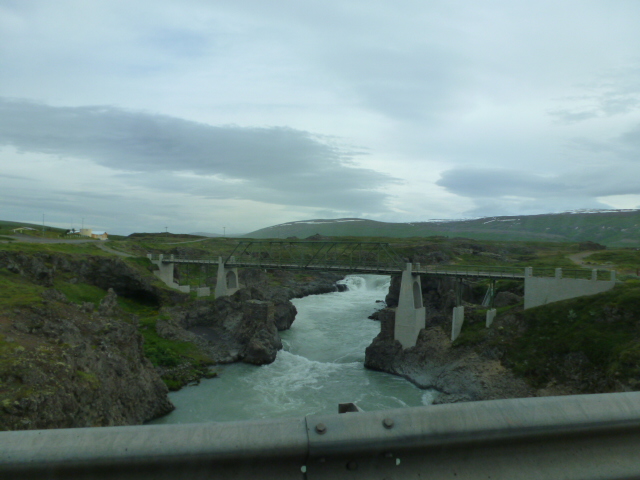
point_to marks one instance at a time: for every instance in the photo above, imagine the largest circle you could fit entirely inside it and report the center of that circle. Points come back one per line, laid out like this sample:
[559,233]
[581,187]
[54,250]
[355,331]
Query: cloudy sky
[199,115]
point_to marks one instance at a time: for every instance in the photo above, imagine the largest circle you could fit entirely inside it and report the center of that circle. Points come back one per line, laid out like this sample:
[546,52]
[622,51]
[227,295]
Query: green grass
[604,327]
[623,259]
[72,248]
[169,353]
[17,291]
[81,292]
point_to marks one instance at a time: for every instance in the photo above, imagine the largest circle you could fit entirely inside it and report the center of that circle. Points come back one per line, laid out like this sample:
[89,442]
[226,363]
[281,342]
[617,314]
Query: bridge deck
[453,271]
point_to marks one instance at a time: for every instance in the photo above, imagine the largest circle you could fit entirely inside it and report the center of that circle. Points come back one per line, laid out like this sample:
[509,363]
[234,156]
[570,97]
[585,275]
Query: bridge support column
[410,314]
[165,270]
[227,283]
[491,315]
[456,322]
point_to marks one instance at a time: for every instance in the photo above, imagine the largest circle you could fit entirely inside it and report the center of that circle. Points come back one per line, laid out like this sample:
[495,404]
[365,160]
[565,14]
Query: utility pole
[43,224]
[224,231]
[166,231]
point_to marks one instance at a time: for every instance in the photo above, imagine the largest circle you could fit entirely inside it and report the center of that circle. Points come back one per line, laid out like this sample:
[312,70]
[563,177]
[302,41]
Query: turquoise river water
[320,366]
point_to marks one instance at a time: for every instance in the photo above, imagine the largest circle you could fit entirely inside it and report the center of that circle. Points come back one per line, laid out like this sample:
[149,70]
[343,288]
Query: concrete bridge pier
[410,313]
[165,271]
[457,317]
[228,282]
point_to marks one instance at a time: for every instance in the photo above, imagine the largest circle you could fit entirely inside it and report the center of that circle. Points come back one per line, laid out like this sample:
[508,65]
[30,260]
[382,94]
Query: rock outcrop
[103,272]
[63,365]
[244,326]
[458,374]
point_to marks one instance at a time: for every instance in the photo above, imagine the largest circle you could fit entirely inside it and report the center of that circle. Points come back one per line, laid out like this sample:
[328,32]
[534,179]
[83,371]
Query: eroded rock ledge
[244,326]
[458,374]
[70,366]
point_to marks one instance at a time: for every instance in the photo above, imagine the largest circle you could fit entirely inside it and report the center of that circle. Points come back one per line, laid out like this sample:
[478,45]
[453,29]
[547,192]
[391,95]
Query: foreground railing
[571,437]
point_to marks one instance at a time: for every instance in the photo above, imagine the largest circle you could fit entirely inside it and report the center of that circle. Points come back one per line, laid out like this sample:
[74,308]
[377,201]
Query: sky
[233,115]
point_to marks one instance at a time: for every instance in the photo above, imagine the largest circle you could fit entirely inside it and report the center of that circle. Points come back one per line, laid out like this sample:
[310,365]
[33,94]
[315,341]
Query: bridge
[542,286]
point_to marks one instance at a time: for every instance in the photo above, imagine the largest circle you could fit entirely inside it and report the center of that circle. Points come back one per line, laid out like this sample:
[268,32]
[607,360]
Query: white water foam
[321,365]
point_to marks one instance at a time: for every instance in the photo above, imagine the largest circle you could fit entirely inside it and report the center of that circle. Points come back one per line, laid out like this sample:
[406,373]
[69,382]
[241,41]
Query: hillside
[619,228]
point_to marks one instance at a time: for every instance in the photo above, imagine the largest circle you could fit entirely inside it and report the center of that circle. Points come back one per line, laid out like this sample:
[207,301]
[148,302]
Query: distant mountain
[619,228]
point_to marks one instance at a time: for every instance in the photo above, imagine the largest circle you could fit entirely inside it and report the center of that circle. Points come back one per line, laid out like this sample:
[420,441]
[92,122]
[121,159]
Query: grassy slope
[591,344]
[19,292]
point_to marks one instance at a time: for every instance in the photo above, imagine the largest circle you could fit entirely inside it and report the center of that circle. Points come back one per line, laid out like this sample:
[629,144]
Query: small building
[99,235]
[22,229]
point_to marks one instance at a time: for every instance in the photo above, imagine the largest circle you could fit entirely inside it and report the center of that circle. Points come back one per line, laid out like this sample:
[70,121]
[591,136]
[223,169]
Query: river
[320,366]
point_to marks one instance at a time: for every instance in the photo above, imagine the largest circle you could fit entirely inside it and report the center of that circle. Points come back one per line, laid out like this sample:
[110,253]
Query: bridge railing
[472,270]
[372,263]
[582,273]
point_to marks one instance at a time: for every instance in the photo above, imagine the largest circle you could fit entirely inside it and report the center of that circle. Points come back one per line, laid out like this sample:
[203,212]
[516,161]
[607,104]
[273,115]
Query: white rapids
[320,366]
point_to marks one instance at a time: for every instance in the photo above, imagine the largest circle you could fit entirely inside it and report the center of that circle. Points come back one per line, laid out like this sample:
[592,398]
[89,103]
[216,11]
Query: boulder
[504,299]
[258,334]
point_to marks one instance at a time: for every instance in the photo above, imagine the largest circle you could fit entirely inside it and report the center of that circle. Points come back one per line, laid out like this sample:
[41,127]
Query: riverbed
[320,366]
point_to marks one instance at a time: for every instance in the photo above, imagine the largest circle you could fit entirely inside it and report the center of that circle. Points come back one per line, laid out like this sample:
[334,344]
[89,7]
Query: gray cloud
[597,182]
[276,165]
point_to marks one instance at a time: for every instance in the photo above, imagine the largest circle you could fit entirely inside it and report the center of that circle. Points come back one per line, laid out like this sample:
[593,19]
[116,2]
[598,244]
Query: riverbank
[89,339]
[583,345]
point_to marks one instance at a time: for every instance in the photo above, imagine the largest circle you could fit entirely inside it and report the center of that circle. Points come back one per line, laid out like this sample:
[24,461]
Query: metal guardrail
[571,437]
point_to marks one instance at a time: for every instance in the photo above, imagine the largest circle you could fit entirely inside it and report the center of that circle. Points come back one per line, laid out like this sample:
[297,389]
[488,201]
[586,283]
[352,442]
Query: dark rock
[53,295]
[504,299]
[109,304]
[77,370]
[258,334]
[318,237]
[284,315]
[589,245]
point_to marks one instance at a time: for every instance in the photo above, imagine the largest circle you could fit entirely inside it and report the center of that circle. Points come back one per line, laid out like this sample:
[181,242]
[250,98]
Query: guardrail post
[528,271]
[613,275]
[594,274]
[558,273]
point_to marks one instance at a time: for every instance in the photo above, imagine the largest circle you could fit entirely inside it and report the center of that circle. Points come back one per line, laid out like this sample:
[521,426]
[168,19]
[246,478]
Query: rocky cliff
[80,361]
[582,345]
[64,365]
[458,372]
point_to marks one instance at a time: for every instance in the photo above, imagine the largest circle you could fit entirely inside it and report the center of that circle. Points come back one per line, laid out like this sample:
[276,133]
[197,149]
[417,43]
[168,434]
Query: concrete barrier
[542,290]
[203,291]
